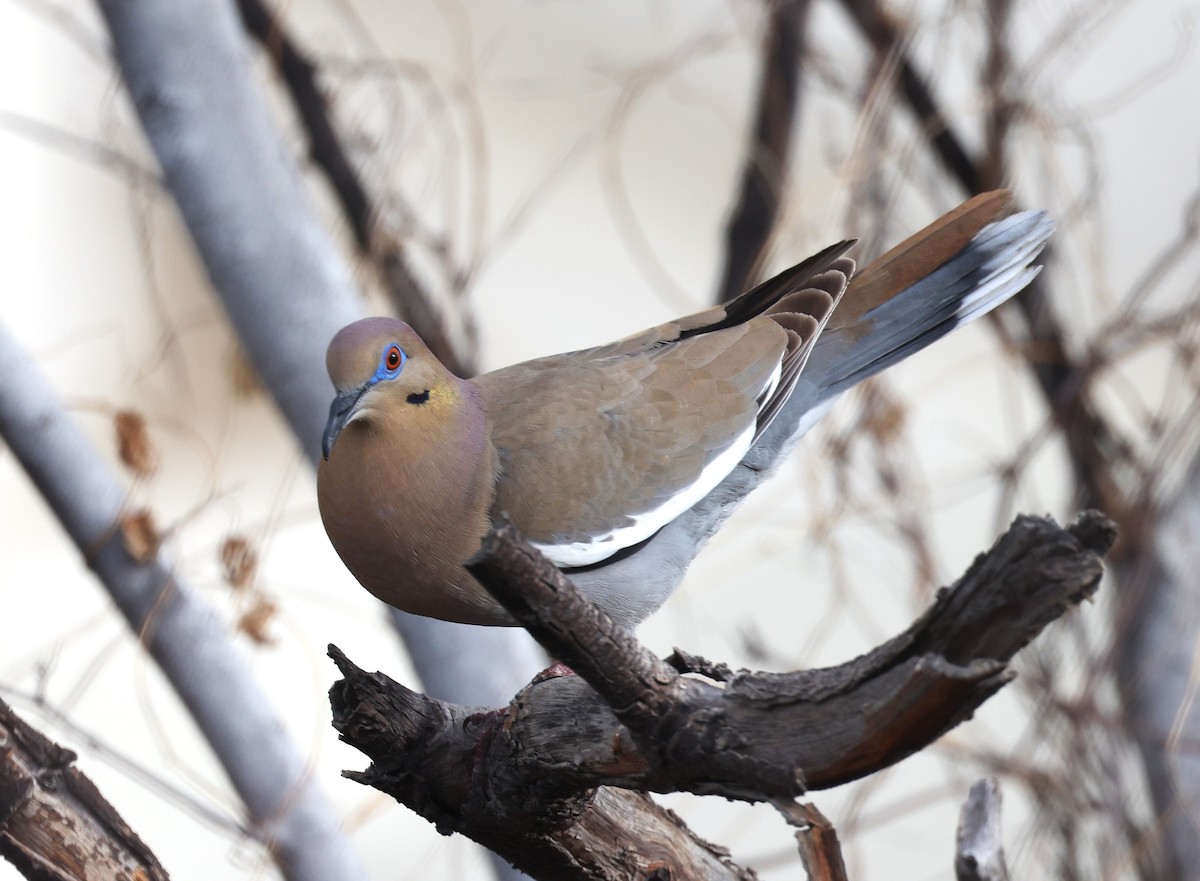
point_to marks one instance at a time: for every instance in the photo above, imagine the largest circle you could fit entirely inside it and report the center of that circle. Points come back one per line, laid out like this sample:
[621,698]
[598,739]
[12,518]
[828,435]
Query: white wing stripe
[644,525]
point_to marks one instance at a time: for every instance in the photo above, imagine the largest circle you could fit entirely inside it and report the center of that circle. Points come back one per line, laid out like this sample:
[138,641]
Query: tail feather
[993,266]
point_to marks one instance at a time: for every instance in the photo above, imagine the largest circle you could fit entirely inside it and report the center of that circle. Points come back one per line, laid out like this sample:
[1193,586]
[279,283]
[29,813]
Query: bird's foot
[476,719]
[485,724]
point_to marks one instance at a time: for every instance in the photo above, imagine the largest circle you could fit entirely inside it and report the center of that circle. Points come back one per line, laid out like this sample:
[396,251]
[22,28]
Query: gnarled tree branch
[523,782]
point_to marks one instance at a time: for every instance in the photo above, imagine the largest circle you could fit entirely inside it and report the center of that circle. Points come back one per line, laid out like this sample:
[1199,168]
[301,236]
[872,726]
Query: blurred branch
[764,172]
[70,144]
[888,41]
[283,283]
[1158,619]
[281,279]
[522,782]
[383,246]
[1094,445]
[996,72]
[1155,673]
[54,823]
[204,665]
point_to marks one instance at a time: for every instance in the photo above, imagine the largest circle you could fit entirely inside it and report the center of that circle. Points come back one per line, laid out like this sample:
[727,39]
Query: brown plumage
[572,447]
[588,453]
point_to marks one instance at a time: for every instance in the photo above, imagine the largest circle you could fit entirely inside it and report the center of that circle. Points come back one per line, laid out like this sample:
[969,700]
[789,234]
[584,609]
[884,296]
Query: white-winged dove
[593,454]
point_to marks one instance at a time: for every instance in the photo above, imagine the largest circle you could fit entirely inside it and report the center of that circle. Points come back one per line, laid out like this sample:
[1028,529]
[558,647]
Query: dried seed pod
[133,443]
[255,620]
[141,535]
[239,562]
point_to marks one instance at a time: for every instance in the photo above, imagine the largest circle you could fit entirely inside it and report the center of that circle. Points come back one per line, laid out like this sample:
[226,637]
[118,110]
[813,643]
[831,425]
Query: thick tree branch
[54,823]
[431,756]
[282,281]
[632,721]
[205,666]
[857,717]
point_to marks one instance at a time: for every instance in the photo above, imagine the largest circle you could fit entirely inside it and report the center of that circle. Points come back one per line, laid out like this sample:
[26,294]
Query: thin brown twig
[753,217]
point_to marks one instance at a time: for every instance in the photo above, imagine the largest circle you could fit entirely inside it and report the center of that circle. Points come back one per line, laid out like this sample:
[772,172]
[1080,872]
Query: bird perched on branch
[618,462]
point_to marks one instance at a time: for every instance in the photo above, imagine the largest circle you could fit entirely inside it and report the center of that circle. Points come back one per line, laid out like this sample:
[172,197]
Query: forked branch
[524,781]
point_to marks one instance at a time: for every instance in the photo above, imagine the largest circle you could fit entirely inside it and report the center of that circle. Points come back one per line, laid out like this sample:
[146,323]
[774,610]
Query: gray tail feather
[990,269]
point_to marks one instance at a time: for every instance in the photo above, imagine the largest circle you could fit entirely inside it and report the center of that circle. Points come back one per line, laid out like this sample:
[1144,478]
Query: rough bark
[54,823]
[523,782]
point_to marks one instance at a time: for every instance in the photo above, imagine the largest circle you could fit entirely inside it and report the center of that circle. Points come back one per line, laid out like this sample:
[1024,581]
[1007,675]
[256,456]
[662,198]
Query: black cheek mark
[419,397]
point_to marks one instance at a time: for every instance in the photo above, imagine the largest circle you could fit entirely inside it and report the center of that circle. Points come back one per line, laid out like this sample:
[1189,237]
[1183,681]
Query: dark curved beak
[340,411]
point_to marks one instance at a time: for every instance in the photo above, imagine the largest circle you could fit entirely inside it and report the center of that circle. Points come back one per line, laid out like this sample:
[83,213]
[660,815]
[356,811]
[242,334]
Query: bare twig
[764,171]
[1000,116]
[325,147]
[887,39]
[1094,445]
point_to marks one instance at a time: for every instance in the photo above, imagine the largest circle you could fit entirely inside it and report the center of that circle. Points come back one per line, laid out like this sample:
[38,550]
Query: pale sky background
[101,286]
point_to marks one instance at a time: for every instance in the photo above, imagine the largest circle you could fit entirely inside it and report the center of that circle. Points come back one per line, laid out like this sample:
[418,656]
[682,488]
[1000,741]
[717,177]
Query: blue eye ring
[391,362]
